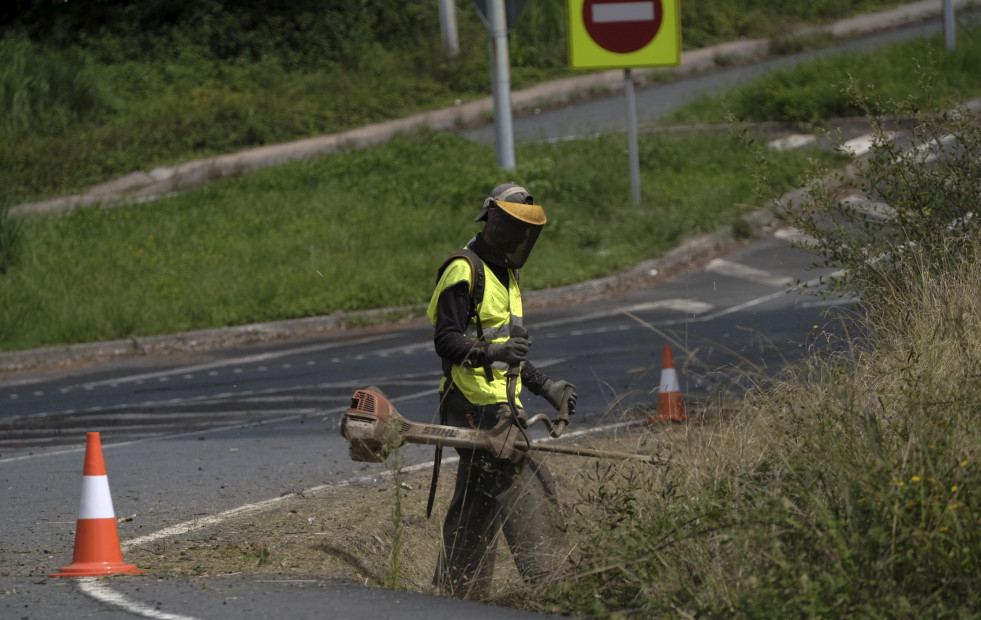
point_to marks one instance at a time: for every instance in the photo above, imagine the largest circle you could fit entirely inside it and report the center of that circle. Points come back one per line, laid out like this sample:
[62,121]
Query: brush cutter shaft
[374,428]
[600,454]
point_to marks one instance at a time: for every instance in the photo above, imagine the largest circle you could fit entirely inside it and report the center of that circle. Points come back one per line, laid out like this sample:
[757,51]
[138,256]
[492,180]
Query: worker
[477,315]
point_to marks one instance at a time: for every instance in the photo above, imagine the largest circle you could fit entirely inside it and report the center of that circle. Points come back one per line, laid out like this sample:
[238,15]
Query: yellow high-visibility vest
[499,309]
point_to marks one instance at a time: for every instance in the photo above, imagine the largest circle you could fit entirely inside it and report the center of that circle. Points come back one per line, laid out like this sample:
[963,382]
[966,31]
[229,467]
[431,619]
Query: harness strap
[438,459]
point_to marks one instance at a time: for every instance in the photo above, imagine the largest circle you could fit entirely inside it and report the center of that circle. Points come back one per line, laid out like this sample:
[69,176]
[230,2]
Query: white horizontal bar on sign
[623,12]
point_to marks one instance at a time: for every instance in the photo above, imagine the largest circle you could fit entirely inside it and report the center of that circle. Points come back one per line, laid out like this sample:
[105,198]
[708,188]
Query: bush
[915,206]
[45,91]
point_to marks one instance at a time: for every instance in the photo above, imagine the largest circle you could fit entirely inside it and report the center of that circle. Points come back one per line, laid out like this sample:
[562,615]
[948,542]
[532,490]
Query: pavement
[143,186]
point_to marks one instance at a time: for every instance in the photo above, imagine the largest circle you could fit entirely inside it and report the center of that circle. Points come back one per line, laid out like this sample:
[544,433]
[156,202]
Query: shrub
[911,205]
[45,91]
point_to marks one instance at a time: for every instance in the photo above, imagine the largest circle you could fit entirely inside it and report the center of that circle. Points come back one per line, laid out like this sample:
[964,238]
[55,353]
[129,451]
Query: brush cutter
[375,428]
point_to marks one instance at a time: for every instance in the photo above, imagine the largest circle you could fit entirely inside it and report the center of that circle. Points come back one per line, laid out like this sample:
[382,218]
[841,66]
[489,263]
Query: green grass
[359,231]
[97,97]
[921,73]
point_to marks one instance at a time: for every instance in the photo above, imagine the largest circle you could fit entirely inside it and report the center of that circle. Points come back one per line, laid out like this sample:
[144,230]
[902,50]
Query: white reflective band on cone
[96,502]
[669,380]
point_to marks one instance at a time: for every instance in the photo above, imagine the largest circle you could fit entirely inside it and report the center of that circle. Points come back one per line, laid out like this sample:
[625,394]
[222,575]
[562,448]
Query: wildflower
[954,488]
[915,479]
[964,463]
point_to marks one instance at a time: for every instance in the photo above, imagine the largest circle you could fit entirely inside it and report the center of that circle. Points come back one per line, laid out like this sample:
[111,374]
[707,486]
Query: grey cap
[505,192]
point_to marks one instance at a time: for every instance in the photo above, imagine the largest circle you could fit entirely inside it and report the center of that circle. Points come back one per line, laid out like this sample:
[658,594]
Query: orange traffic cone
[97,549]
[669,394]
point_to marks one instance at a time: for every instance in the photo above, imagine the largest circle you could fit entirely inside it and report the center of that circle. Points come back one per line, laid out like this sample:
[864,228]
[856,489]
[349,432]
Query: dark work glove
[552,391]
[511,351]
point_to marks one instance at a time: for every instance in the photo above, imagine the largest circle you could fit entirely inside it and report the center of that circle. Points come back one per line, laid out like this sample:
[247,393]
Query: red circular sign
[622,26]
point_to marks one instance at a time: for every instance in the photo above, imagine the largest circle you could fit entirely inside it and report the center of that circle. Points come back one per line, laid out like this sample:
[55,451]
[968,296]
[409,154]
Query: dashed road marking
[863,144]
[791,142]
[744,272]
[794,235]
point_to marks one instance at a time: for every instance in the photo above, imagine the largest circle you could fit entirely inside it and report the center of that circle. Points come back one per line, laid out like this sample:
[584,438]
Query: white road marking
[237,361]
[791,142]
[680,304]
[100,591]
[794,235]
[743,272]
[743,306]
[863,144]
[871,208]
[688,306]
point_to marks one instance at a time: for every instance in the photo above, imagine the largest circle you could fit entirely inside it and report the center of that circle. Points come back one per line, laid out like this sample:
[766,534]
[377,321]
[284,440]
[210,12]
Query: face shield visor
[511,232]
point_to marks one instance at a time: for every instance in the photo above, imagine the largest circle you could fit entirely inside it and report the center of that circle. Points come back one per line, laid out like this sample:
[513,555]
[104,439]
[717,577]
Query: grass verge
[359,231]
[850,487]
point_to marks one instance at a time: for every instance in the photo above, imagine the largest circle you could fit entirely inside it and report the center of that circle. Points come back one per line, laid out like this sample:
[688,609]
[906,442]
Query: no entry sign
[615,34]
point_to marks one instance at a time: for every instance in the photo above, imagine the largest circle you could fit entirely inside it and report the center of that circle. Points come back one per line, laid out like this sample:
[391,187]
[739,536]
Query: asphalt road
[188,438]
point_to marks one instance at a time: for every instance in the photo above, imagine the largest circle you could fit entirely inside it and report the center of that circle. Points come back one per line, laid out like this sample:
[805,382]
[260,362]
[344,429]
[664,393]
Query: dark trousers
[515,495]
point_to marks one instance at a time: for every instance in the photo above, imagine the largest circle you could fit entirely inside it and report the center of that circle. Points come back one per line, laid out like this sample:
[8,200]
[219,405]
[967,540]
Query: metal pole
[447,26]
[950,27]
[628,88]
[500,65]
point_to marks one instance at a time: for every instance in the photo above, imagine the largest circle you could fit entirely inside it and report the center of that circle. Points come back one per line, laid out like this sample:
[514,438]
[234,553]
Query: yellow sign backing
[622,34]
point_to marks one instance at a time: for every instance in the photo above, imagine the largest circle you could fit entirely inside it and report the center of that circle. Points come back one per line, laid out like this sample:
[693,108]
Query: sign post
[447,26]
[500,17]
[622,34]
[950,27]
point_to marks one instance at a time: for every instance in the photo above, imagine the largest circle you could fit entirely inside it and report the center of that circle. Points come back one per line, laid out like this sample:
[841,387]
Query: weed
[393,578]
[261,555]
[11,236]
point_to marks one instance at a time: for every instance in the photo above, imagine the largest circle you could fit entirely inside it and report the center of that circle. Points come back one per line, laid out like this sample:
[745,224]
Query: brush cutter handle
[557,426]
[565,410]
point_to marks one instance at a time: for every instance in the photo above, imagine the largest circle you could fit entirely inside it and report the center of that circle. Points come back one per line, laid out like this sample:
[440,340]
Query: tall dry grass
[850,488]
